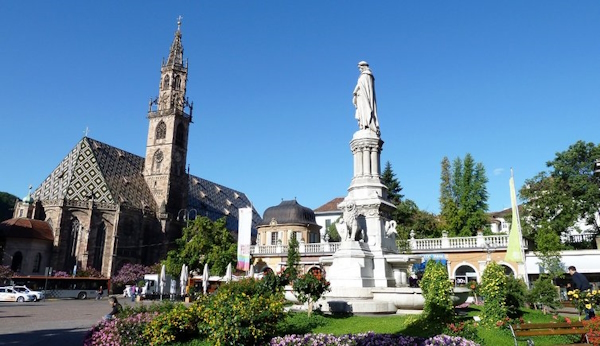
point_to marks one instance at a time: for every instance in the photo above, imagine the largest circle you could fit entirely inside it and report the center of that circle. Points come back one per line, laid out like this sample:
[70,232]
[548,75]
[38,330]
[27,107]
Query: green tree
[293,260]
[332,232]
[493,289]
[388,178]
[203,241]
[463,196]
[544,294]
[7,205]
[567,192]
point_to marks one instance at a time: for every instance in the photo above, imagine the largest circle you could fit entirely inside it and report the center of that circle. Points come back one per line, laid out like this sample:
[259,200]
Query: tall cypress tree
[389,179]
[463,196]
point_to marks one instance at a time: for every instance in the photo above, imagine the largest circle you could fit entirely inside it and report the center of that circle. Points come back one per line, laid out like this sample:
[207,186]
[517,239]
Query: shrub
[493,291]
[361,339]
[593,326]
[130,273]
[516,291]
[437,290]
[126,331]
[180,323]
[544,293]
[466,330]
[237,315]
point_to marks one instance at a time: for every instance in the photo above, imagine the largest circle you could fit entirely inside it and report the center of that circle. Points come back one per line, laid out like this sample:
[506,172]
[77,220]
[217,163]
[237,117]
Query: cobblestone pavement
[51,322]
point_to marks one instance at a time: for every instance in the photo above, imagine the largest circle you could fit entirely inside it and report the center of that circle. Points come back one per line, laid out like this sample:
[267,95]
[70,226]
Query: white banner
[244,238]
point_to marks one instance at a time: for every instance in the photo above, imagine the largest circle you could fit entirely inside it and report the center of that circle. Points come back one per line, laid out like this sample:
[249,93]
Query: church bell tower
[169,117]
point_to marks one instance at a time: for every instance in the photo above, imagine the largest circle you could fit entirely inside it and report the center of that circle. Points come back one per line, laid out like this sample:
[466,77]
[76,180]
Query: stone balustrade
[426,245]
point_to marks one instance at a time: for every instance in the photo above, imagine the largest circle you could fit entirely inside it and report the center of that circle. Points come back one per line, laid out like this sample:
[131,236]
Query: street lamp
[489,248]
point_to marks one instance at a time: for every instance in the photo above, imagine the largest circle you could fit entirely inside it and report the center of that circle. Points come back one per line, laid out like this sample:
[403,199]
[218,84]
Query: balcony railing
[427,245]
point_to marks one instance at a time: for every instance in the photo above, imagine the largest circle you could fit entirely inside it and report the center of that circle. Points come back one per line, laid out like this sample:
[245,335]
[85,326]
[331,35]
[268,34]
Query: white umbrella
[183,279]
[205,278]
[163,280]
[228,276]
[251,271]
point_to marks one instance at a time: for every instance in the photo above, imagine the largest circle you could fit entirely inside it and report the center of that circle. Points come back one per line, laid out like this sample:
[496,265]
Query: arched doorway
[463,274]
[17,262]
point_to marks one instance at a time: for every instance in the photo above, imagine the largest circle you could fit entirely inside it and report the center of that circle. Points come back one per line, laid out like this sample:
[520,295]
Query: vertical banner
[244,238]
[514,251]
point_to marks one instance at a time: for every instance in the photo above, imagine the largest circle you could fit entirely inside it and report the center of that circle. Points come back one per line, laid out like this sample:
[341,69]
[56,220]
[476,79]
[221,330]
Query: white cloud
[498,171]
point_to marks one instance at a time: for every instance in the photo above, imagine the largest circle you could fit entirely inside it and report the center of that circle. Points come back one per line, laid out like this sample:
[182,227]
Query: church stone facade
[108,207]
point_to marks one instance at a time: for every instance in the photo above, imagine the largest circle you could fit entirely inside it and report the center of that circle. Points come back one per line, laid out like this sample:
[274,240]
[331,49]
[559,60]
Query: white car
[8,294]
[24,289]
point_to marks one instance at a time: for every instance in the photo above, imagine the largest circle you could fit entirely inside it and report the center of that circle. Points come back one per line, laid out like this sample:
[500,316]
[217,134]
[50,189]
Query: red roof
[330,206]
[26,228]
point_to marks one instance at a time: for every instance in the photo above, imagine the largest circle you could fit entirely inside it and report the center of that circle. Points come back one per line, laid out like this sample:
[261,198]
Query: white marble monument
[368,257]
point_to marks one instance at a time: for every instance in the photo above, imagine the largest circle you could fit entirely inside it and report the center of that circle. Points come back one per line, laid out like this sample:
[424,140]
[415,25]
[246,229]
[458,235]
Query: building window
[158,158]
[327,223]
[274,238]
[99,246]
[37,263]
[72,243]
[17,261]
[180,136]
[161,130]
[177,82]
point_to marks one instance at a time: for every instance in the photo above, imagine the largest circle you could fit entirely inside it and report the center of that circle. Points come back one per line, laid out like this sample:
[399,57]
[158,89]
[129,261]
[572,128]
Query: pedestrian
[99,293]
[115,308]
[581,283]
[132,292]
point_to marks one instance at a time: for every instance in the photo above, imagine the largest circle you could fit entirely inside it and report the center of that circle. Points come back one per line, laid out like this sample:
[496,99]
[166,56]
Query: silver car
[8,294]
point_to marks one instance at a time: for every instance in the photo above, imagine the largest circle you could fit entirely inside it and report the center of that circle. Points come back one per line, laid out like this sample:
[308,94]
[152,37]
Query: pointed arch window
[161,130]
[99,246]
[37,263]
[72,243]
[157,161]
[166,81]
[177,82]
[17,262]
[180,136]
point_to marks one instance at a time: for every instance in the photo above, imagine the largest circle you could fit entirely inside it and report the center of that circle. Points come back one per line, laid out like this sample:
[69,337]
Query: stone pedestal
[352,266]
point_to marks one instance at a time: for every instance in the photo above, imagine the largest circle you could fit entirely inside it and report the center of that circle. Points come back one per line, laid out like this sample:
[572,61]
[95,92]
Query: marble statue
[364,99]
[347,227]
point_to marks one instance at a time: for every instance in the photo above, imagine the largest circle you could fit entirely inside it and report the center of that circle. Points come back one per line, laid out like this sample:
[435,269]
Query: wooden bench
[544,329]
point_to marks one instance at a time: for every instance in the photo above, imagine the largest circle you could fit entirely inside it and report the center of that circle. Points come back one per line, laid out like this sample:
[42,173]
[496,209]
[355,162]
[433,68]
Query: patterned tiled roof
[115,176]
[215,201]
[112,175]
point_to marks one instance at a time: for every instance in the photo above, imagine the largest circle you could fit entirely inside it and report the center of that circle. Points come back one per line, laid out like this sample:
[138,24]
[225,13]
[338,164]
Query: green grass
[299,323]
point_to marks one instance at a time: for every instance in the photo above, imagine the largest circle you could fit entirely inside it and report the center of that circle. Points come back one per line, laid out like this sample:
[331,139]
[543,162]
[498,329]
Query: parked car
[8,294]
[24,289]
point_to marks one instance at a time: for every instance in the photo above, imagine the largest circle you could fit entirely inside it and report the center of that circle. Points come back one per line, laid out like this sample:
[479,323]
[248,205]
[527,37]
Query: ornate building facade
[107,207]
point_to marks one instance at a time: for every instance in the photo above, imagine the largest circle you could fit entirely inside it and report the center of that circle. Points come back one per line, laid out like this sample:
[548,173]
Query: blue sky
[511,82]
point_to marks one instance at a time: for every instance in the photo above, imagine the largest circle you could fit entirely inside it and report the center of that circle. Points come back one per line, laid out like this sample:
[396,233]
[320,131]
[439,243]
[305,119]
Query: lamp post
[489,249]
[187,215]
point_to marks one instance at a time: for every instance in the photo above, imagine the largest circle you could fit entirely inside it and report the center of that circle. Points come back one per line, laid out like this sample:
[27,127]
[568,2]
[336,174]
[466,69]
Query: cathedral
[106,207]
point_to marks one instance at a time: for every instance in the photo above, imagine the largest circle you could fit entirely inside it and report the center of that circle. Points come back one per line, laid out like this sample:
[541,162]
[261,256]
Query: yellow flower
[588,306]
[594,292]
[576,296]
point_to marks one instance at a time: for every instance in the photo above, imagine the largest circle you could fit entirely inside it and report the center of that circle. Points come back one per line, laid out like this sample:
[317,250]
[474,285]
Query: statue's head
[363,63]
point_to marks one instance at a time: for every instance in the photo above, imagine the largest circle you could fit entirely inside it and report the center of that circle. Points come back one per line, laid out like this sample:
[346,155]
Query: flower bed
[369,338]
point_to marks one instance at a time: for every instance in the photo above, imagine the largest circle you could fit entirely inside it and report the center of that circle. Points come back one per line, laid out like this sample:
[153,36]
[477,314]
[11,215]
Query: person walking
[581,283]
[99,293]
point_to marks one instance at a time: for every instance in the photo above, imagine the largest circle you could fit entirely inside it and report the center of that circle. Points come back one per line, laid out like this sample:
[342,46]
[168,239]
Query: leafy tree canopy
[463,196]
[567,192]
[131,273]
[203,241]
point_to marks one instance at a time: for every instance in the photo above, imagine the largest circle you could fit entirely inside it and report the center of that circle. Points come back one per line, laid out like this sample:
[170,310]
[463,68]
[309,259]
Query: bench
[544,329]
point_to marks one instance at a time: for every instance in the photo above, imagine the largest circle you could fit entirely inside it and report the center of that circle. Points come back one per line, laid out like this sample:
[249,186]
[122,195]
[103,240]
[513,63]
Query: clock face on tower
[159,156]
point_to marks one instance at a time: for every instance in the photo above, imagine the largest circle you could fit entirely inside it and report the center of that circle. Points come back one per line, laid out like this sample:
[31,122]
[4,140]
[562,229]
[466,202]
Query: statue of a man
[364,99]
